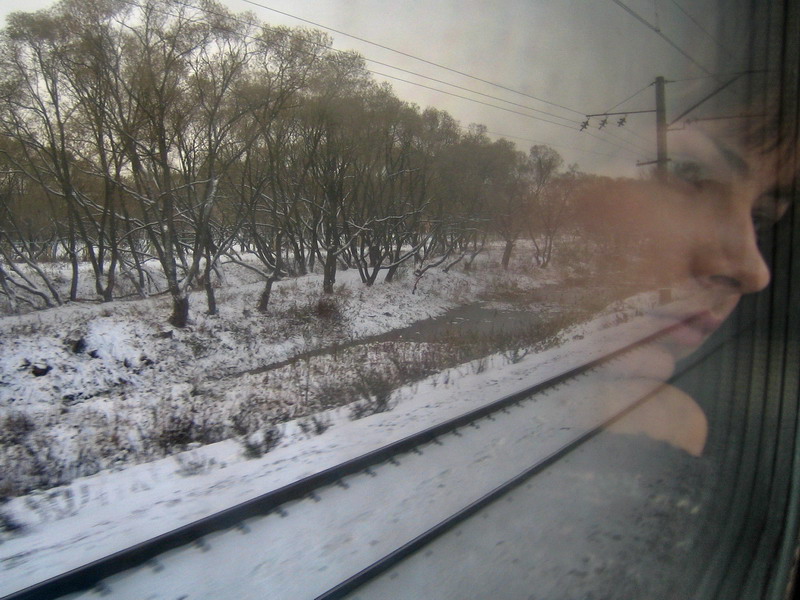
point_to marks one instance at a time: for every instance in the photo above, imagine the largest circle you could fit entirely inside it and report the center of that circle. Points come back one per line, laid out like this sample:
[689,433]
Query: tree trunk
[299,259]
[180,311]
[263,300]
[507,253]
[111,281]
[329,273]
[280,266]
[211,299]
[390,273]
[74,263]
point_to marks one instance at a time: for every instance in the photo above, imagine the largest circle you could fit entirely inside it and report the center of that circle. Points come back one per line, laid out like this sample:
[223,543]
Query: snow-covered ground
[129,366]
[90,386]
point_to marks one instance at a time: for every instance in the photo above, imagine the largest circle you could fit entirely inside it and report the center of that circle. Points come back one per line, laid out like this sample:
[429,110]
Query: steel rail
[387,562]
[383,564]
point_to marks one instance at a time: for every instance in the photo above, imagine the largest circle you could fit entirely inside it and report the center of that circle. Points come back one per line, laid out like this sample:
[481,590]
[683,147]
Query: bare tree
[552,213]
[548,201]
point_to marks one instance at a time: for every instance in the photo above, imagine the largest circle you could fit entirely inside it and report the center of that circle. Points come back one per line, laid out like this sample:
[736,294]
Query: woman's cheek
[647,229]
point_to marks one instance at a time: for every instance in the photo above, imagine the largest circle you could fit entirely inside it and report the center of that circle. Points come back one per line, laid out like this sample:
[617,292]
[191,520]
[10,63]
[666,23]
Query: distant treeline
[177,131]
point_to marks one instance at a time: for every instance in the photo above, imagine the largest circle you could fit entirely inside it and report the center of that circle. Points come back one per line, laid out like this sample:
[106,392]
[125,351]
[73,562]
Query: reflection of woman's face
[696,230]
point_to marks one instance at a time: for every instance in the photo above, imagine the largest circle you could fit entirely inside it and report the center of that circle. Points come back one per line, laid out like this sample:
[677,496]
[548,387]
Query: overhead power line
[412,56]
[631,146]
[629,143]
[458,87]
[629,97]
[511,110]
[524,139]
[658,31]
[703,29]
[410,72]
[713,76]
[703,99]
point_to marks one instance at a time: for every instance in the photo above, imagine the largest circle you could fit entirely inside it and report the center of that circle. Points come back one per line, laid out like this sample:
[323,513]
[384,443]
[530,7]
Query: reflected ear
[669,416]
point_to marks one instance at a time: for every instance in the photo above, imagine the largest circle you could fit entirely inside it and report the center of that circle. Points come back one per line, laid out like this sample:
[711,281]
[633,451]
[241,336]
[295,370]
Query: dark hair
[766,92]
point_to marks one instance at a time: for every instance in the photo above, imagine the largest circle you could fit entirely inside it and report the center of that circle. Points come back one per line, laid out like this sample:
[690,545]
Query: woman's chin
[682,341]
[653,362]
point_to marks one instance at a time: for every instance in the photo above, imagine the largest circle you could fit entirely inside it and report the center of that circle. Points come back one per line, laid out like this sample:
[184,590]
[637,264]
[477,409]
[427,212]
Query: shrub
[331,394]
[375,388]
[252,414]
[315,425]
[420,363]
[178,424]
[515,354]
[15,427]
[258,444]
[193,463]
[8,524]
[173,430]
[36,463]
[327,308]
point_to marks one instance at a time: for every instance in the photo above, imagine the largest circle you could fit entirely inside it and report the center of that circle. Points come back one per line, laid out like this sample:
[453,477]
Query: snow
[129,364]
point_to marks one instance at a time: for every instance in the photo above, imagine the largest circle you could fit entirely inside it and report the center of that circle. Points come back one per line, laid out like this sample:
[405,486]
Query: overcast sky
[580,56]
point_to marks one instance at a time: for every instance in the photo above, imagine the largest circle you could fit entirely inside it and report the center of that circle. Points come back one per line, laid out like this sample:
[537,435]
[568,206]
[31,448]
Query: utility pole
[662,158]
[661,128]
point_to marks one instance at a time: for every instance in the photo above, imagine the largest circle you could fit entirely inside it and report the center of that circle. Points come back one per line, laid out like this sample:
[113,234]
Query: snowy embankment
[90,386]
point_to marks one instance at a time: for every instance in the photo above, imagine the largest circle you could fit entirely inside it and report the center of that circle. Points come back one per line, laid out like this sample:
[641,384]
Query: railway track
[93,575]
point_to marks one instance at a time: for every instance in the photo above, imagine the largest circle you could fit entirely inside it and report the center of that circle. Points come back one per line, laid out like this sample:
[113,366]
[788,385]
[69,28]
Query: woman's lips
[692,331]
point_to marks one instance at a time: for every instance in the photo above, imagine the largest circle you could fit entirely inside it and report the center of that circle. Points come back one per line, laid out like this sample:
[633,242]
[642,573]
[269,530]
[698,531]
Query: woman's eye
[689,172]
[769,209]
[687,169]
[765,217]
[762,221]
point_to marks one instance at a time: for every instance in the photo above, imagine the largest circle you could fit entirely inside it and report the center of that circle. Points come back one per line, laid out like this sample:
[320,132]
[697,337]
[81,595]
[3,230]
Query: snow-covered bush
[259,443]
[376,387]
[315,424]
[178,422]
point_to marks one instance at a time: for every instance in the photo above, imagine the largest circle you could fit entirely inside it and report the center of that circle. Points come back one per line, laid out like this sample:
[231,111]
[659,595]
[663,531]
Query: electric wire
[557,145]
[713,76]
[458,87]
[658,31]
[624,141]
[629,97]
[410,72]
[630,146]
[408,55]
[701,28]
[511,110]
[632,132]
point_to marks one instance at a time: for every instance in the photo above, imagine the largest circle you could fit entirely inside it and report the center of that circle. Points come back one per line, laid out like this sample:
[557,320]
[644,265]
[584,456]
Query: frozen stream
[478,319]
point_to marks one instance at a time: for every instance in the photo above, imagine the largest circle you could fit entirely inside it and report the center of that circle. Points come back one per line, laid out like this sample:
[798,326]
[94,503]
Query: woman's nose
[728,258]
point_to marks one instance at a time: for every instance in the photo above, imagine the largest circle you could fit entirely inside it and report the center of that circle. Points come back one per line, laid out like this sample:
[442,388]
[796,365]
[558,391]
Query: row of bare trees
[175,131]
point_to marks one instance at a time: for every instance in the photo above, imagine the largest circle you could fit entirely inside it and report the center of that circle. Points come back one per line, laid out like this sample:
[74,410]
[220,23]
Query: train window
[447,300]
